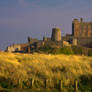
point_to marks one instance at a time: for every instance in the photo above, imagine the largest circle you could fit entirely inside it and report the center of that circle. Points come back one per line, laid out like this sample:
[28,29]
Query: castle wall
[81,29]
[83,41]
[32,40]
[78,41]
[46,39]
[49,43]
[75,28]
[13,48]
[17,48]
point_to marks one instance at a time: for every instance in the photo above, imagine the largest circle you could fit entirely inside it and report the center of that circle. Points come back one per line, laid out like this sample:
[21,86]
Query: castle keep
[81,36]
[81,28]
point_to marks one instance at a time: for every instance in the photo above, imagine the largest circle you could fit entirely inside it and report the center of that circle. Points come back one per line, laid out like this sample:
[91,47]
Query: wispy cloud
[25,4]
[22,3]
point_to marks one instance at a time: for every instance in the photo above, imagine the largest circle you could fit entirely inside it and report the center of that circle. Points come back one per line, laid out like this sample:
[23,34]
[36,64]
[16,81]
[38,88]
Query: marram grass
[21,67]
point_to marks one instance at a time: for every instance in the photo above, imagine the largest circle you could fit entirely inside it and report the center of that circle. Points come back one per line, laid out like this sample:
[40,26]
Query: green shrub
[6,83]
[64,50]
[85,83]
[90,52]
[46,49]
[77,50]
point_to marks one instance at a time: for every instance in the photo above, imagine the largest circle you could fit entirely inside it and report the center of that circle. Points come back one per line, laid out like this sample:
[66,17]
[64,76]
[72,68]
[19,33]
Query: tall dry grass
[21,67]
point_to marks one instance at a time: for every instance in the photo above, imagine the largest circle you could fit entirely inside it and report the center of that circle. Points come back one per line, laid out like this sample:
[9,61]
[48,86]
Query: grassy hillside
[19,68]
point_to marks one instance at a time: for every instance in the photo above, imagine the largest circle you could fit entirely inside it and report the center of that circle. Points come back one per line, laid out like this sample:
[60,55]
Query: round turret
[56,34]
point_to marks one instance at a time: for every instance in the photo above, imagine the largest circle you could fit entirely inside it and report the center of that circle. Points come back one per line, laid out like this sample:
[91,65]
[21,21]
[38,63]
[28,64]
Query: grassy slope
[38,66]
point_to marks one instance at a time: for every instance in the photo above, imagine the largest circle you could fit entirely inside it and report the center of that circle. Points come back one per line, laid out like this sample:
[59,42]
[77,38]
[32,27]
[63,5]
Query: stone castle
[33,44]
[81,36]
[81,29]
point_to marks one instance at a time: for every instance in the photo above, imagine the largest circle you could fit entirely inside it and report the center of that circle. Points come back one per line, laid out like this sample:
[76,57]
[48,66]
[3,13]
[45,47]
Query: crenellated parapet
[81,28]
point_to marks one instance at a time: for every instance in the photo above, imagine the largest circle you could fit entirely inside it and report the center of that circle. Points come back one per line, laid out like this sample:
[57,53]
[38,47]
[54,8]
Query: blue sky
[22,18]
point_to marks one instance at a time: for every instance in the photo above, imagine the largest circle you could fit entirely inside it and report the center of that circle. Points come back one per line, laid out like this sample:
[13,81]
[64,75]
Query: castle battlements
[81,36]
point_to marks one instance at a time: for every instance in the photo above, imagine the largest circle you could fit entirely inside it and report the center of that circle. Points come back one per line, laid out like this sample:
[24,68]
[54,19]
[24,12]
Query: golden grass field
[38,66]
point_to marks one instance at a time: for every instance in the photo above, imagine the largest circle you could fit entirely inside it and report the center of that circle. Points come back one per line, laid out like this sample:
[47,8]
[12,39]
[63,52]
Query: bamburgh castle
[81,29]
[33,44]
[81,36]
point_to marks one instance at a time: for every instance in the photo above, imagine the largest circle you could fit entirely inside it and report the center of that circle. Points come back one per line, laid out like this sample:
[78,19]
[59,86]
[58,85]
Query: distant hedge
[77,50]
[64,50]
[90,52]
[46,49]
